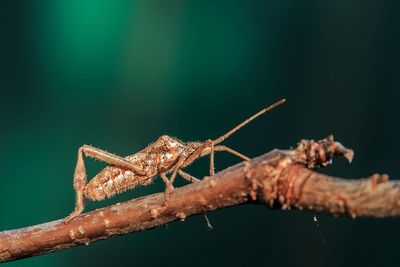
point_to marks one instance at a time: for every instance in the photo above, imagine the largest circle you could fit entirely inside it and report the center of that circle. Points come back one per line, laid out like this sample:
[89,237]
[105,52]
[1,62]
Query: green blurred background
[118,74]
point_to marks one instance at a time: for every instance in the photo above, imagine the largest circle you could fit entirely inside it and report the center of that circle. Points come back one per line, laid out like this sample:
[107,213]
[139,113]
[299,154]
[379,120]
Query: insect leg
[230,150]
[79,185]
[197,153]
[169,182]
[168,185]
[212,169]
[209,144]
[188,177]
[80,179]
[176,169]
[112,159]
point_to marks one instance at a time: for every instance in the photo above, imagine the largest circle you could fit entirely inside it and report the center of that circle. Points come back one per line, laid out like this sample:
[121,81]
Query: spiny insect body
[159,157]
[164,156]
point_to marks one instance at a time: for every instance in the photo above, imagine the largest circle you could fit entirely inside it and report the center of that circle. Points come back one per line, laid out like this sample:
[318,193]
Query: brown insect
[165,155]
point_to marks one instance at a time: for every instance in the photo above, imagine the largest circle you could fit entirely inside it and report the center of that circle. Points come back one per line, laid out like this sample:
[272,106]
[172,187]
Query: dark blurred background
[118,74]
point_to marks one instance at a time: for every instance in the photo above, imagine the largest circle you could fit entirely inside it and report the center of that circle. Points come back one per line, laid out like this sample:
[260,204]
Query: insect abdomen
[113,180]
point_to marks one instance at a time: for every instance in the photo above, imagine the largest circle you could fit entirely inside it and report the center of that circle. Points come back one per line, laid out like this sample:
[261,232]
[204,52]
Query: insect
[166,155]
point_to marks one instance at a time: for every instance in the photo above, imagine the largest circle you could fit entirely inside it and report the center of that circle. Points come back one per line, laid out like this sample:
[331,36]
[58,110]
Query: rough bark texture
[279,179]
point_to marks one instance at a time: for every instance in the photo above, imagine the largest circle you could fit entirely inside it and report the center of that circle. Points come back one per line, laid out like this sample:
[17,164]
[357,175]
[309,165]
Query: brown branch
[279,179]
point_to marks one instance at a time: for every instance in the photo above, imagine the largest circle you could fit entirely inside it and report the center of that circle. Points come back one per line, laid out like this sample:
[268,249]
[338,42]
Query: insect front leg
[80,178]
[188,177]
[212,168]
[209,144]
[230,150]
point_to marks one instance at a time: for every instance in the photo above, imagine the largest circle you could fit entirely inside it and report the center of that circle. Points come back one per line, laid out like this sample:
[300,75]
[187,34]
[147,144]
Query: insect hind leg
[80,179]
[80,182]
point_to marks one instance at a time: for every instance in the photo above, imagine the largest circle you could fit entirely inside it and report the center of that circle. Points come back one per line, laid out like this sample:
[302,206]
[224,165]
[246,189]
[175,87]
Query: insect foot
[169,188]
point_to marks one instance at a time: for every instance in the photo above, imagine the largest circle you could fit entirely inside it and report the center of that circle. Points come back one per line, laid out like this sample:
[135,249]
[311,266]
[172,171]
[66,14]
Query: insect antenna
[223,137]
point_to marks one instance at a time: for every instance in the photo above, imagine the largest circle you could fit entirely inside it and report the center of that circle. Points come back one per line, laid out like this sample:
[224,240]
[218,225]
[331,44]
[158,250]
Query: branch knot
[315,154]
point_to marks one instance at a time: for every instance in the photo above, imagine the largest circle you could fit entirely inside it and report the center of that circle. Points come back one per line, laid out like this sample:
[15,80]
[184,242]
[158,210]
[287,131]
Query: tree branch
[279,179]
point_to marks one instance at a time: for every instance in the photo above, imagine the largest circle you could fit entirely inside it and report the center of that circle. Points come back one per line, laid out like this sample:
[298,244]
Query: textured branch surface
[279,179]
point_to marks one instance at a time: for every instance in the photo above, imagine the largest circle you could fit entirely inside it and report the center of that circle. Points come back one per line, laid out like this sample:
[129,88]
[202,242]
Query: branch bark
[279,179]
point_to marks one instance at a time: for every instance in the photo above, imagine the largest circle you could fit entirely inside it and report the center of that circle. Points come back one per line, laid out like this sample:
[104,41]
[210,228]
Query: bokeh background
[118,74]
